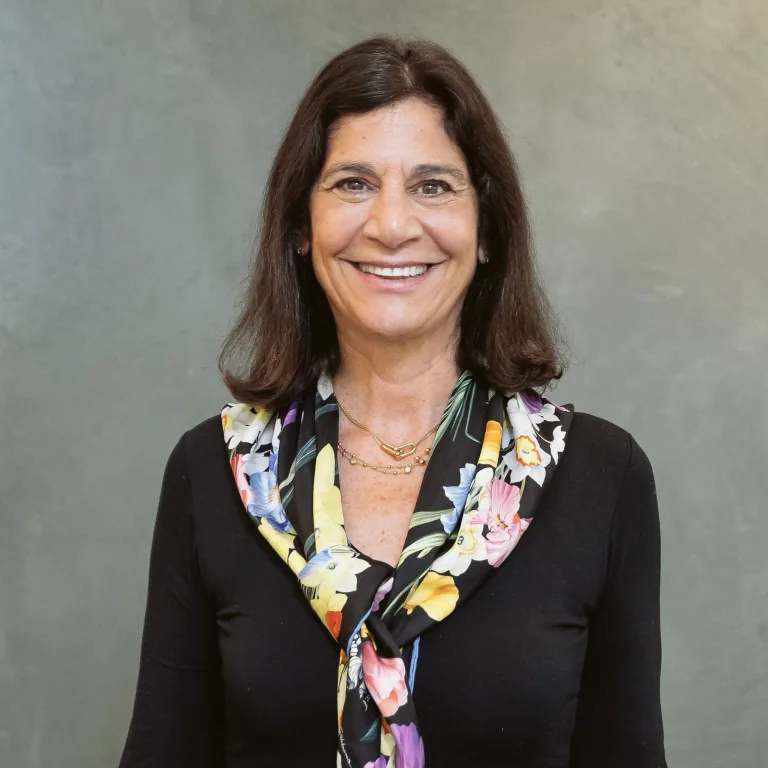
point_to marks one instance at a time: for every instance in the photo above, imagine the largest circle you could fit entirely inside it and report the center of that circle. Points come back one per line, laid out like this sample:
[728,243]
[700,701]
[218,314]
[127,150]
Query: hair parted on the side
[285,334]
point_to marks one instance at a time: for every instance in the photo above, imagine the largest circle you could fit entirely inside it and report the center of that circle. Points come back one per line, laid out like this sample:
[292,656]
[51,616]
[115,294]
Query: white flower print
[245,424]
[557,446]
[334,569]
[469,546]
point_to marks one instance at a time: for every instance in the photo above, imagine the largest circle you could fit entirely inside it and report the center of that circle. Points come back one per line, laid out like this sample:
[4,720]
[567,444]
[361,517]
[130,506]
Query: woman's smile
[393,278]
[394,224]
[414,270]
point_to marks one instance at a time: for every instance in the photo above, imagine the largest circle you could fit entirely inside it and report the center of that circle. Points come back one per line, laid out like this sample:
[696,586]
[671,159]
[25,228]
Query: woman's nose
[393,218]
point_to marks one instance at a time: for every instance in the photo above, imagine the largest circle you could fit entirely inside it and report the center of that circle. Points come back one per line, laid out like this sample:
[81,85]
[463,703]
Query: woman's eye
[356,186]
[352,185]
[433,188]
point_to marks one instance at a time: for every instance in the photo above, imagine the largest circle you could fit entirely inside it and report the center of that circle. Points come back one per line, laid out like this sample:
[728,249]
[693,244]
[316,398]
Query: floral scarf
[492,456]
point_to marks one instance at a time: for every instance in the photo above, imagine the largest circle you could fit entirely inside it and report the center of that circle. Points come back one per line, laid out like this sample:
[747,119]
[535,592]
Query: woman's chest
[377,510]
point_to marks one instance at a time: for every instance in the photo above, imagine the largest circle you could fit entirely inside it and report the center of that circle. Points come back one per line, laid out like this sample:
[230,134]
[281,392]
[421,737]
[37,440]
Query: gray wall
[135,138]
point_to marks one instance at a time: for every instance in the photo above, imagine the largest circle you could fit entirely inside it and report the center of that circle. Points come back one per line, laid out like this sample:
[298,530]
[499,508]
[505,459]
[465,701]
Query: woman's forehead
[395,137]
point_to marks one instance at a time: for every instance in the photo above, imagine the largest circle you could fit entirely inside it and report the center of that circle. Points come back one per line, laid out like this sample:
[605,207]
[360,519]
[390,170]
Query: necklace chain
[397,452]
[385,469]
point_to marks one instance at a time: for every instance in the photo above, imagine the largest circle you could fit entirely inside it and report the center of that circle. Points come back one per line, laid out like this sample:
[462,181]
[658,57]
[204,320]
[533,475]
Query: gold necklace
[386,469]
[398,452]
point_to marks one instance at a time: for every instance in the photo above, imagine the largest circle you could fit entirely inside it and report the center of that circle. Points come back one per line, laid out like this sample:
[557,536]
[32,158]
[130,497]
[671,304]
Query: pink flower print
[385,680]
[500,513]
[246,492]
[382,592]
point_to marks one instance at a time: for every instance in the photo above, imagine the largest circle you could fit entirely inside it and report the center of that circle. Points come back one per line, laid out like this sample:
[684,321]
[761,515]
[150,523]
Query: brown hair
[285,333]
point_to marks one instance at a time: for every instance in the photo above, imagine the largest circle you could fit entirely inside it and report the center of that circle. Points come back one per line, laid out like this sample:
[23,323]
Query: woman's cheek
[336,232]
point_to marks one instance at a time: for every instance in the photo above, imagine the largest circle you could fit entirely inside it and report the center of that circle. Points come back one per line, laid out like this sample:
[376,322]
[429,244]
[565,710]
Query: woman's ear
[301,245]
[482,256]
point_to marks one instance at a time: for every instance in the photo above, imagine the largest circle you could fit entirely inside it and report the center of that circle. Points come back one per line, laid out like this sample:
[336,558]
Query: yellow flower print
[437,595]
[296,562]
[387,742]
[284,544]
[341,686]
[489,453]
[328,606]
[329,519]
[527,451]
[335,602]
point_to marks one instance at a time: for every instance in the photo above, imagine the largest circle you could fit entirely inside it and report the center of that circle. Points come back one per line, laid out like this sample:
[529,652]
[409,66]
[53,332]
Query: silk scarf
[492,457]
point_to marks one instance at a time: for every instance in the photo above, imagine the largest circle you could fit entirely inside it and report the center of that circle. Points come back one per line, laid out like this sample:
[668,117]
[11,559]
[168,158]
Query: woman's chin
[383,329]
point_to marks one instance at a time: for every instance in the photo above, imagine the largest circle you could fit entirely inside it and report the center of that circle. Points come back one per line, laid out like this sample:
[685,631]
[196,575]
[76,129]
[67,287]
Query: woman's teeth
[414,271]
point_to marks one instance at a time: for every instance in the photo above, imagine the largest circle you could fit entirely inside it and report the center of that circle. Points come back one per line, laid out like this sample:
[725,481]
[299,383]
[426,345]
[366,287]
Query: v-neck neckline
[456,446]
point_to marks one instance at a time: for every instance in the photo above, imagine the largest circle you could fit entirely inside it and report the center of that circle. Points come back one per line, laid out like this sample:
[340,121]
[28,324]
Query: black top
[553,663]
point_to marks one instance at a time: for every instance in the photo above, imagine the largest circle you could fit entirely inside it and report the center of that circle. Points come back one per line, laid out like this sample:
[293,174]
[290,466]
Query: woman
[390,349]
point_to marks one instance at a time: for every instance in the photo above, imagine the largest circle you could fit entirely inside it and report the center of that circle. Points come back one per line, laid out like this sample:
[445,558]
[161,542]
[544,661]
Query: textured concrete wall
[134,142]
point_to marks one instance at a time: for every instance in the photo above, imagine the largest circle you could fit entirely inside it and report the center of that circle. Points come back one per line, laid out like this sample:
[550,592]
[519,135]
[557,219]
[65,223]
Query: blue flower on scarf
[318,562]
[266,498]
[457,495]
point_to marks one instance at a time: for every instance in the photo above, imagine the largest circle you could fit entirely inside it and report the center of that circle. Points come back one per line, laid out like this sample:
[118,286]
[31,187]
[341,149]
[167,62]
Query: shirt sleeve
[618,721]
[177,716]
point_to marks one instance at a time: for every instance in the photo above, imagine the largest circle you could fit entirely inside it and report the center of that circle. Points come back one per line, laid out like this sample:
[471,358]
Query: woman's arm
[177,716]
[618,722]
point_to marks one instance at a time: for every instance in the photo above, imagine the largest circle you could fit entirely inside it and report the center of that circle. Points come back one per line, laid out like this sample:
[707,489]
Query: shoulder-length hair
[285,334]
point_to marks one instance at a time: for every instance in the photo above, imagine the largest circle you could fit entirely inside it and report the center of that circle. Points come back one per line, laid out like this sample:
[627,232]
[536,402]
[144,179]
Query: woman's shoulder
[604,462]
[204,452]
[207,444]
[204,437]
[212,499]
[598,432]
[601,449]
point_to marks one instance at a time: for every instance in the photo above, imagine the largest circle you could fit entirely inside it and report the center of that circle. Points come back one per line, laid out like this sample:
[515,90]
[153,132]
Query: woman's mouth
[395,273]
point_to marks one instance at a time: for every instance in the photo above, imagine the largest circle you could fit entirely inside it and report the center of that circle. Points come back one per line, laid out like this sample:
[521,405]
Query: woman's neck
[398,390]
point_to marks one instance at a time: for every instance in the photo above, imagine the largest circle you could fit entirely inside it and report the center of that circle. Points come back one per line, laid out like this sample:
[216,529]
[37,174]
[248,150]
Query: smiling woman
[391,549]
[393,158]
[394,247]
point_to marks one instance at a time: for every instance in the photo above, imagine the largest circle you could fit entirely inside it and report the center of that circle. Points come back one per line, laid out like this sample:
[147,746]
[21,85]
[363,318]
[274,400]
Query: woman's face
[394,224]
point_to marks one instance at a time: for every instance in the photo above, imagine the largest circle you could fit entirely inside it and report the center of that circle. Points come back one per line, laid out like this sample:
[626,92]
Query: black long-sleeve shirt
[553,663]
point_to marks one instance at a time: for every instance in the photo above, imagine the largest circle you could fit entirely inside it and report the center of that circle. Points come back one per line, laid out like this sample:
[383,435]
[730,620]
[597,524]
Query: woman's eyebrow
[364,169]
[431,169]
[423,169]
